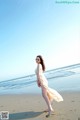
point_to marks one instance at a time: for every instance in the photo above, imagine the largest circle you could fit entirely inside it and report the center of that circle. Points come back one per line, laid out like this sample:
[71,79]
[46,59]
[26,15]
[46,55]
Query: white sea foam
[61,79]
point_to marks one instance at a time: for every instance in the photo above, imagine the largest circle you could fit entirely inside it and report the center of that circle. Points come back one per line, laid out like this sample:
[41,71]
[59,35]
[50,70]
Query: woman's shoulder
[40,66]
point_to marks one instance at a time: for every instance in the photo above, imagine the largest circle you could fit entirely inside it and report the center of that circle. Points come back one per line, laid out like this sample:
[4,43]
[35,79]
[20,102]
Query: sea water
[61,79]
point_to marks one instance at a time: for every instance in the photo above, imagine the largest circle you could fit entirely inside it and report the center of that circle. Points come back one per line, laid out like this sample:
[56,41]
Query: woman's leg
[44,94]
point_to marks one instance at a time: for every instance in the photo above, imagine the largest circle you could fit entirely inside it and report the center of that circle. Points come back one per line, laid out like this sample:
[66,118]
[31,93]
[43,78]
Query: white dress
[52,94]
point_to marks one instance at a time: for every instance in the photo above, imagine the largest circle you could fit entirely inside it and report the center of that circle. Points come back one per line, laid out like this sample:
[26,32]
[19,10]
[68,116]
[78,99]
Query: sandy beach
[31,107]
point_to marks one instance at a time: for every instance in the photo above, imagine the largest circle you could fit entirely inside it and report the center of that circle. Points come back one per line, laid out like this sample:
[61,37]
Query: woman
[48,94]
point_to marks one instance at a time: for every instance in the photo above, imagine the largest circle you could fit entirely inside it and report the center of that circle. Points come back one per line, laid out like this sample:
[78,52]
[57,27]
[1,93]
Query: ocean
[61,79]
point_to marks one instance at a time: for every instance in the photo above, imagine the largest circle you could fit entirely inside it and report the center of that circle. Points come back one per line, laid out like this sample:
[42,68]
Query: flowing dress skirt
[52,94]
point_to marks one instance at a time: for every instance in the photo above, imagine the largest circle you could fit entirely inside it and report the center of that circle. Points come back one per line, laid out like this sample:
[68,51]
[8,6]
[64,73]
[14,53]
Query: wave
[26,81]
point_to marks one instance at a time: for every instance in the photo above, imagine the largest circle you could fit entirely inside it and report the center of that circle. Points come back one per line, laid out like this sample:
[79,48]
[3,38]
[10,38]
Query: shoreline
[39,93]
[31,106]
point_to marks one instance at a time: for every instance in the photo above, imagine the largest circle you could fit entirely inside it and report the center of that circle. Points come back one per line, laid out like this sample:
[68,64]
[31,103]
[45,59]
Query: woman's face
[37,60]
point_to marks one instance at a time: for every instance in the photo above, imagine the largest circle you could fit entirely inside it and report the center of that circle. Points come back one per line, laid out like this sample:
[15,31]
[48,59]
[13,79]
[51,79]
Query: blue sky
[32,27]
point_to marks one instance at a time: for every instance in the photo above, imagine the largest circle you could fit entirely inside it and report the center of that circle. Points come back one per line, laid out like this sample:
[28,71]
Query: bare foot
[50,112]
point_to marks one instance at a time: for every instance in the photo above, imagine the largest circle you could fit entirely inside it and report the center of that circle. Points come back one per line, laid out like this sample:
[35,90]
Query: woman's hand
[39,83]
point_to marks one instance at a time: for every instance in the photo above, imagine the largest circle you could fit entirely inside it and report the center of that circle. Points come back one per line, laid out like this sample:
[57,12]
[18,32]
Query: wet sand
[31,107]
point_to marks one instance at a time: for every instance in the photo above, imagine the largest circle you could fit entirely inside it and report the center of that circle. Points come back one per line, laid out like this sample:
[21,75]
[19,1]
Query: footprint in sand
[71,110]
[1,106]
[72,101]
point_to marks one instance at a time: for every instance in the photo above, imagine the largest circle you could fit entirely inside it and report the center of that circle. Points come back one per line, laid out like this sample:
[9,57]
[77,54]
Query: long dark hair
[42,62]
